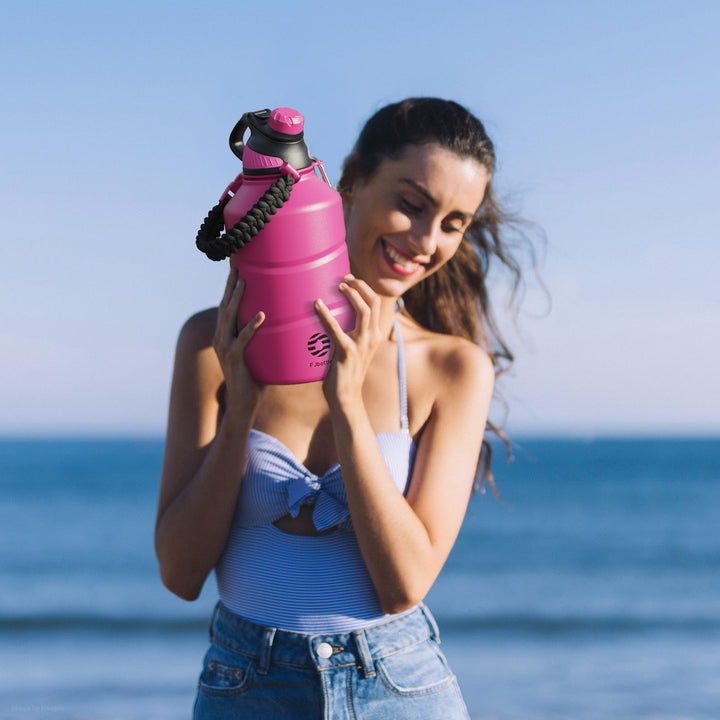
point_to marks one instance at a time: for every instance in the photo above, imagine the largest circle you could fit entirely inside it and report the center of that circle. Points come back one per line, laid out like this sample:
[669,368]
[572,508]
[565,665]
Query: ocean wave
[508,624]
[101,624]
[538,624]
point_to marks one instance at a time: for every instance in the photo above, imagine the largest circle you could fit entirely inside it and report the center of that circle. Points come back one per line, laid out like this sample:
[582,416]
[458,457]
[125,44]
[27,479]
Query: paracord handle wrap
[218,247]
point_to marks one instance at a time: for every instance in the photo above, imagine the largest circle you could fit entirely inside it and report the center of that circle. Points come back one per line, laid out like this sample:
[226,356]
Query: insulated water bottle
[285,234]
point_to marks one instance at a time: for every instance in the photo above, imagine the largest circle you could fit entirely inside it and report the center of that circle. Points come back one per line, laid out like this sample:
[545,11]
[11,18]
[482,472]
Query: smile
[400,263]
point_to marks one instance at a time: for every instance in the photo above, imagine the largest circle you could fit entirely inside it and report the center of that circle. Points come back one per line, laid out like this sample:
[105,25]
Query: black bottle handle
[237,145]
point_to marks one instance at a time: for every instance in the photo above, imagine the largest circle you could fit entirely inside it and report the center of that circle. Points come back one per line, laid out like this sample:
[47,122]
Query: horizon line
[579,435]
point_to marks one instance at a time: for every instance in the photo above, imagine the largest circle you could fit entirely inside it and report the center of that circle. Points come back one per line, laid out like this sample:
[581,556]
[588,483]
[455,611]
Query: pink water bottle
[285,234]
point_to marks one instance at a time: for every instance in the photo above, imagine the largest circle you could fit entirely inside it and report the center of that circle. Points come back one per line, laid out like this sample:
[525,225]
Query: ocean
[592,591]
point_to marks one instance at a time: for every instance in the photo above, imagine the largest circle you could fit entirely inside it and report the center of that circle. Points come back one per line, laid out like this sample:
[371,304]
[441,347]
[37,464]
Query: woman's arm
[406,540]
[204,455]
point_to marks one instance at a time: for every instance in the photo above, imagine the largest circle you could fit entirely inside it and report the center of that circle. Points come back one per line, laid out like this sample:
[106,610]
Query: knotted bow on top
[276,483]
[326,493]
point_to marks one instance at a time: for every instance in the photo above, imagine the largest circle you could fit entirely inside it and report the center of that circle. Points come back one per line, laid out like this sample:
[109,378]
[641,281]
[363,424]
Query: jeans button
[324,650]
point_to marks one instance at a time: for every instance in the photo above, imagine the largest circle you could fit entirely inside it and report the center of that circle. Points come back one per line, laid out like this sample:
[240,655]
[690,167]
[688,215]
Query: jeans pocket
[225,673]
[417,670]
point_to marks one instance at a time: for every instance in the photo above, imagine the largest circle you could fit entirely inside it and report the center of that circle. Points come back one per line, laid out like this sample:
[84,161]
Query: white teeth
[399,259]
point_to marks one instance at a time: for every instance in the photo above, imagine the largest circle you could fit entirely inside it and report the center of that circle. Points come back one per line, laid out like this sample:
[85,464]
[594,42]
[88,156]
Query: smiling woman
[454,300]
[328,509]
[407,222]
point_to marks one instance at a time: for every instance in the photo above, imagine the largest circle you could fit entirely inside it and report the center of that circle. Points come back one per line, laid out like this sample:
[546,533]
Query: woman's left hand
[353,351]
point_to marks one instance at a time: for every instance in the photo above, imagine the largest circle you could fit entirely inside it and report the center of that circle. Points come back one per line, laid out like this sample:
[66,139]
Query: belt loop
[366,661]
[212,620]
[265,650]
[434,630]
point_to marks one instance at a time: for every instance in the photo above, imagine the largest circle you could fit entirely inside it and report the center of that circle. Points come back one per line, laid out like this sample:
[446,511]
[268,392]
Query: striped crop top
[304,583]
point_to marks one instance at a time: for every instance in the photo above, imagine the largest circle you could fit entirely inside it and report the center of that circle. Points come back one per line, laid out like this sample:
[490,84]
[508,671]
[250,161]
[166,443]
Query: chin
[392,287]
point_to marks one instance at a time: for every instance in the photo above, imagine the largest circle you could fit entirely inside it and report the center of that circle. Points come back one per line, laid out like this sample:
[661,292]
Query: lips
[399,262]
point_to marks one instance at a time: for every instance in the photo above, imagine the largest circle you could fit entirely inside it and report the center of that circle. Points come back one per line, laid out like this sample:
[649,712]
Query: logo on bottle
[319,345]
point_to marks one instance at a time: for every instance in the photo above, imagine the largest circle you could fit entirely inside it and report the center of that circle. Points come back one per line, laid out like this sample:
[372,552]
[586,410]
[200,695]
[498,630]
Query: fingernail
[319,302]
[349,277]
[342,286]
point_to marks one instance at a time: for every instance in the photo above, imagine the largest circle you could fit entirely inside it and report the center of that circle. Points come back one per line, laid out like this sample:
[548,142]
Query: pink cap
[286,120]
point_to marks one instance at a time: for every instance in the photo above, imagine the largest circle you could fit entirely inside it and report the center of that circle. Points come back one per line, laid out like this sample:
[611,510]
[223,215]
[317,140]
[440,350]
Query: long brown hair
[455,299]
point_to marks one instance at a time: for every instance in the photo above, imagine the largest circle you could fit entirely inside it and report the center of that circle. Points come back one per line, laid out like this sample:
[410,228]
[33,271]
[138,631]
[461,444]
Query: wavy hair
[455,299]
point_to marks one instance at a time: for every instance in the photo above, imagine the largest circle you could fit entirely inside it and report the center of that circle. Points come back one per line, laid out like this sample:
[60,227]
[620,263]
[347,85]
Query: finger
[367,293]
[229,318]
[236,297]
[219,339]
[331,324]
[247,332]
[362,309]
[229,287]
[370,297]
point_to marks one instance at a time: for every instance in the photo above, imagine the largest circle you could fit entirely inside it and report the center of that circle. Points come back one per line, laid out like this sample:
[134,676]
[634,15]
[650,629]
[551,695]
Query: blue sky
[113,140]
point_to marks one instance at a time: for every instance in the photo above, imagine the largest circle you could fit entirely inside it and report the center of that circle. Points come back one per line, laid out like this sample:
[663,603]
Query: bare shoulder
[448,377]
[198,330]
[448,361]
[458,360]
[196,364]
[194,404]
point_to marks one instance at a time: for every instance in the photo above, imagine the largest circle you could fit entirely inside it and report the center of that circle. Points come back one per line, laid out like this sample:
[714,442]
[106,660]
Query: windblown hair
[454,300]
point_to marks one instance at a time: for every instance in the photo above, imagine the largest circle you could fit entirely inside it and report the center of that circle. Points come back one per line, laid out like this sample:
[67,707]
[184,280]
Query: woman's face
[408,219]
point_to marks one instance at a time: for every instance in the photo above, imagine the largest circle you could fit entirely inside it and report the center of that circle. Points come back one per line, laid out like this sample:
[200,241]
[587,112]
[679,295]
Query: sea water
[592,591]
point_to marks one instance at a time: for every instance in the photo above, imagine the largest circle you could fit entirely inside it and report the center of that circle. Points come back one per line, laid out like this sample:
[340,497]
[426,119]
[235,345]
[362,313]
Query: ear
[347,201]
[347,194]
[350,173]
[348,181]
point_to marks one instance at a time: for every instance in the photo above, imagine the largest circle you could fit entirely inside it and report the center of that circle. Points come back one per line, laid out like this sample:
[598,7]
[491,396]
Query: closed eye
[456,222]
[446,227]
[409,207]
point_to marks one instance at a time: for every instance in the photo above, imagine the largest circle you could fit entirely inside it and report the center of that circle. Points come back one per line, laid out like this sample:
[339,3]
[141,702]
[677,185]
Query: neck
[387,314]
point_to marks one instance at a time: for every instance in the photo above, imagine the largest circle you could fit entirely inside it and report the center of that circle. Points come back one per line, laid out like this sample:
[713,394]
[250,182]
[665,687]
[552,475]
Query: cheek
[451,245]
[356,218]
[446,252]
[398,221]
[353,239]
[359,229]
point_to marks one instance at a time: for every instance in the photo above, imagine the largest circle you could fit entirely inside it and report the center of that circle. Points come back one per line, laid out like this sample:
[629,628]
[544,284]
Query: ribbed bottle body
[300,255]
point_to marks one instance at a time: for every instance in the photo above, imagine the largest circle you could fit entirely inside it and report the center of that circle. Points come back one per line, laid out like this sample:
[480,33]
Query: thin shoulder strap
[402,380]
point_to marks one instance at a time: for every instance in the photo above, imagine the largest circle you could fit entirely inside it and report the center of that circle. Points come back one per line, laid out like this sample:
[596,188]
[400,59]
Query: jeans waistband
[322,651]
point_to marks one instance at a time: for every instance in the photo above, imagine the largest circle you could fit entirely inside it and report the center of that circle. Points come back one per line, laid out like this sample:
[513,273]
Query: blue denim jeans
[389,671]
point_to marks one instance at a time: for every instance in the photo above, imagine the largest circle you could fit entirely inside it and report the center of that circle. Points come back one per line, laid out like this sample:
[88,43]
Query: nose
[424,238]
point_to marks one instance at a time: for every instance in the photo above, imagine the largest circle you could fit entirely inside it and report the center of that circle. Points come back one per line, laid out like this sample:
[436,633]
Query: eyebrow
[423,191]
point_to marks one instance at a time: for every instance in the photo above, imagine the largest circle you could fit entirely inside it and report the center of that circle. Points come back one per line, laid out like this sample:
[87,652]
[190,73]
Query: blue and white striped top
[298,582]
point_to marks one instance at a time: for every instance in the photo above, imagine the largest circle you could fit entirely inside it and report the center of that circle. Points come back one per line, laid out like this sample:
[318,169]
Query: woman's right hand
[229,343]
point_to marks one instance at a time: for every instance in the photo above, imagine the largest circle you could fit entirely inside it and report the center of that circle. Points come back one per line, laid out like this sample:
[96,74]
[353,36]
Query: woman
[328,509]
